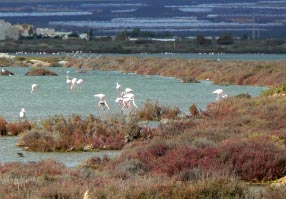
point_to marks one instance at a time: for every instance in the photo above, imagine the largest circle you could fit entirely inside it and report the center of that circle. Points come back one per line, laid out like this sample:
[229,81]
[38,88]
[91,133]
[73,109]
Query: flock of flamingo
[124,99]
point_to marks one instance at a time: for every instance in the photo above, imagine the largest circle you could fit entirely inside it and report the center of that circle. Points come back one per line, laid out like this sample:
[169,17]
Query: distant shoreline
[224,72]
[142,46]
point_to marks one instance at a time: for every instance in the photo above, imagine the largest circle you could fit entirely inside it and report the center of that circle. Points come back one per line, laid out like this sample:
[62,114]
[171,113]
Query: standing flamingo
[125,101]
[69,81]
[22,113]
[79,82]
[126,91]
[73,84]
[34,88]
[101,102]
[117,87]
[220,94]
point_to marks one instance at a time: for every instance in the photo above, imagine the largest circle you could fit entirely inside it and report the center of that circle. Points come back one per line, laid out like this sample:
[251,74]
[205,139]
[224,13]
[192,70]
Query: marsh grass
[266,73]
[16,128]
[40,71]
[238,140]
[156,112]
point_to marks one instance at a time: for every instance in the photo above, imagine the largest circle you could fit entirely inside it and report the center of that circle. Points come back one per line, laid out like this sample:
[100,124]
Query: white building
[83,36]
[63,35]
[7,31]
[46,32]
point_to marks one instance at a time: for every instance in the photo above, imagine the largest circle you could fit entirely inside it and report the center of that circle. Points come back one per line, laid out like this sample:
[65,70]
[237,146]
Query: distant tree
[123,35]
[106,38]
[165,34]
[74,34]
[275,42]
[147,34]
[225,39]
[90,34]
[200,39]
[136,32]
[244,37]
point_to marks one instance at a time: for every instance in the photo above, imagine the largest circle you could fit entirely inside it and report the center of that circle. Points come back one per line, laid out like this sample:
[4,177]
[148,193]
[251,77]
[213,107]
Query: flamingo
[73,87]
[22,113]
[119,100]
[127,99]
[117,87]
[34,88]
[101,102]
[220,94]
[69,81]
[73,81]
[79,82]
[73,84]
[128,90]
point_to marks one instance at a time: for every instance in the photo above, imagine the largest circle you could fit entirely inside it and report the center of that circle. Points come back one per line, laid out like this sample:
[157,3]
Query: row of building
[15,32]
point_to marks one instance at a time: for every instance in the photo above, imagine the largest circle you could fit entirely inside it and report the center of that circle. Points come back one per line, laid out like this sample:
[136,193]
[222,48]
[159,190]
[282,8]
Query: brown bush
[39,140]
[16,128]
[152,111]
[264,155]
[77,134]
[40,72]
[3,129]
[194,111]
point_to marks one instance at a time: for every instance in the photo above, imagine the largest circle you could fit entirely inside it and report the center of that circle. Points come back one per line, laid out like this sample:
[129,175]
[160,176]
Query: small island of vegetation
[40,72]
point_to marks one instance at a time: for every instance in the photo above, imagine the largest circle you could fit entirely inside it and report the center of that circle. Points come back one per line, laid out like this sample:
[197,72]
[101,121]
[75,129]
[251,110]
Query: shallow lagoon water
[55,98]
[8,153]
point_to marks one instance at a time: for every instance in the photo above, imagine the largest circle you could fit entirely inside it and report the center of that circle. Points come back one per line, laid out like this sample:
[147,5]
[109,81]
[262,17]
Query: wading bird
[73,84]
[101,102]
[127,99]
[20,154]
[35,88]
[22,113]
[79,82]
[69,81]
[117,87]
[126,91]
[220,94]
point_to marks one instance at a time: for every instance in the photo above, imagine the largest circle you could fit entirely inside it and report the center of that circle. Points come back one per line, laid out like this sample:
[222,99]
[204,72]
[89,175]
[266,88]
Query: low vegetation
[222,152]
[224,44]
[76,133]
[203,155]
[40,72]
[279,90]
[13,128]
[263,73]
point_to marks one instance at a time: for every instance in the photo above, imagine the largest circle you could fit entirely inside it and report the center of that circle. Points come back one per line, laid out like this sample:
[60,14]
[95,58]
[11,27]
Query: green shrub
[280,89]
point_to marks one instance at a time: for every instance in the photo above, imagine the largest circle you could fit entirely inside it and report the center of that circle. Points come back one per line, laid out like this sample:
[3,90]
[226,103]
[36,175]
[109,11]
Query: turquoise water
[9,150]
[54,96]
